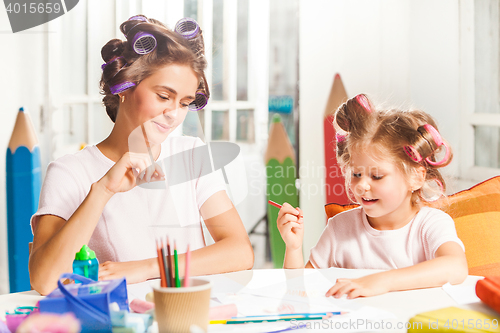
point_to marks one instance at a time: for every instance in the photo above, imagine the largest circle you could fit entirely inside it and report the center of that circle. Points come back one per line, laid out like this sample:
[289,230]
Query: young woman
[92,197]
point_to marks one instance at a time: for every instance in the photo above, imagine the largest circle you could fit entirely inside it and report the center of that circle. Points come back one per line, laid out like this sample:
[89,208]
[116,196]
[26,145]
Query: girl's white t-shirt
[349,241]
[131,221]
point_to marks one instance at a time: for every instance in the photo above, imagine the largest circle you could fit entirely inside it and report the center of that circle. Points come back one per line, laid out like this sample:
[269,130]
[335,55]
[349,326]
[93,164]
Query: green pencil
[176,263]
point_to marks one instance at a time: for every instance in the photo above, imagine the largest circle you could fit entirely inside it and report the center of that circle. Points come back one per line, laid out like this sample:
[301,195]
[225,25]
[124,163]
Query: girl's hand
[133,271]
[291,226]
[370,285]
[131,169]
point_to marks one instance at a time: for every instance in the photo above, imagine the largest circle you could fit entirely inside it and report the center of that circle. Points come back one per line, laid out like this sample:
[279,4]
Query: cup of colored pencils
[179,302]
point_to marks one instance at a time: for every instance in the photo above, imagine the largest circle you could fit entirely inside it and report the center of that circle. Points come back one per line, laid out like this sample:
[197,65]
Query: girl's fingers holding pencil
[291,218]
[286,219]
[287,209]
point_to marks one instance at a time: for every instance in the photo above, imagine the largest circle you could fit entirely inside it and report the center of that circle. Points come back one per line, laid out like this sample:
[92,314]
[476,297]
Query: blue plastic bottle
[86,263]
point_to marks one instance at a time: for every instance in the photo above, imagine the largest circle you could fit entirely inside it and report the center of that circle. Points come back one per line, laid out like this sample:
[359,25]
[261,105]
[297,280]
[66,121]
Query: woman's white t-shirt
[132,220]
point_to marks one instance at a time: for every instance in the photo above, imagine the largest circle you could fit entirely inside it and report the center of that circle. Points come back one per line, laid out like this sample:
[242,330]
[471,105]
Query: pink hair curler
[414,154]
[441,187]
[439,141]
[339,137]
[432,193]
[363,101]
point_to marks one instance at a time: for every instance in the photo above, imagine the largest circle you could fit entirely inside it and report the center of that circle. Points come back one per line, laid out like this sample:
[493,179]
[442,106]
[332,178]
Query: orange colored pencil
[160,266]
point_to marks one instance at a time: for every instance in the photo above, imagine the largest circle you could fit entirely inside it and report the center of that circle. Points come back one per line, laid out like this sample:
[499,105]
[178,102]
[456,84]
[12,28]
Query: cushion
[476,213]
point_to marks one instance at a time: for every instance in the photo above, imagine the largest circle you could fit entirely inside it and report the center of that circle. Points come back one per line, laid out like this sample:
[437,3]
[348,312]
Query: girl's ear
[418,178]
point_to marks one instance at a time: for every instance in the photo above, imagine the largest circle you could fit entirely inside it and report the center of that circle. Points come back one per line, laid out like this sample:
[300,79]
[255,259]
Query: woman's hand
[133,271]
[291,226]
[370,285]
[131,169]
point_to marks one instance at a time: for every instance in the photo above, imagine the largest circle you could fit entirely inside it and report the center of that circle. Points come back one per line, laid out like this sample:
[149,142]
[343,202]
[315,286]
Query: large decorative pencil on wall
[281,175]
[24,180]
[334,181]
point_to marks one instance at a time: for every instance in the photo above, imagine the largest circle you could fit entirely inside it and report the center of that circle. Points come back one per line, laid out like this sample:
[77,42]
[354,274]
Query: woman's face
[160,102]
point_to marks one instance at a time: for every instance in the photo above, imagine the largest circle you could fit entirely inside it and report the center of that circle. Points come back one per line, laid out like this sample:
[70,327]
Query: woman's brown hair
[123,64]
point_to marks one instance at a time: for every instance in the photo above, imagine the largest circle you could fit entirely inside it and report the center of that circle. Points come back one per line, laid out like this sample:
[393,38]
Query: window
[229,116]
[480,80]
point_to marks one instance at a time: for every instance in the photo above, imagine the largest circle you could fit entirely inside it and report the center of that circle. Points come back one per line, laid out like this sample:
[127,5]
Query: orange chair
[476,213]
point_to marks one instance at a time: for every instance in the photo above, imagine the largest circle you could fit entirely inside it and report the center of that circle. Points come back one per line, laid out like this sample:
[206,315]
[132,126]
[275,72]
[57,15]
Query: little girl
[390,161]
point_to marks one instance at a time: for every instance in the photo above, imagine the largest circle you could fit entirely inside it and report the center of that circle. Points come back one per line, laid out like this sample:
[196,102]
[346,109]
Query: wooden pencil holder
[176,309]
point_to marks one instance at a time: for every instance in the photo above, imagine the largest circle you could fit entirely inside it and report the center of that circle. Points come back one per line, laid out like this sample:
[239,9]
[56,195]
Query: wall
[22,84]
[400,52]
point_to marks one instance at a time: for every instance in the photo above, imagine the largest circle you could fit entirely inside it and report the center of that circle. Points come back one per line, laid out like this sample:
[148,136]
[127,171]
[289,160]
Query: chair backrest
[476,213]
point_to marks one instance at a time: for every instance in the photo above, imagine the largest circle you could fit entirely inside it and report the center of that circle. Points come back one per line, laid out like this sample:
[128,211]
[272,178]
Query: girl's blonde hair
[394,134]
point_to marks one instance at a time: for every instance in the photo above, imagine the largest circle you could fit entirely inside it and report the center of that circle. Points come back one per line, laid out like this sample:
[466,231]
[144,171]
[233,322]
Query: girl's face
[382,190]
[160,102]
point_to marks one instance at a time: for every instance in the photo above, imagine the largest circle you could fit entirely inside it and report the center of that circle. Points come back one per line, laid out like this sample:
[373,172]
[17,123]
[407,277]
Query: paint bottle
[86,263]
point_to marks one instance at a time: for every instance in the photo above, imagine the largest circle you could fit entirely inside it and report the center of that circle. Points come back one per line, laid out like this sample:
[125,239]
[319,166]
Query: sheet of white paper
[462,294]
[222,284]
[266,277]
[309,288]
[253,305]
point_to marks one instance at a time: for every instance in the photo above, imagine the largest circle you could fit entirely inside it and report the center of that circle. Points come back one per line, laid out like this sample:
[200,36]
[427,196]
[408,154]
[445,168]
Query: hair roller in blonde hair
[363,101]
[432,190]
[438,141]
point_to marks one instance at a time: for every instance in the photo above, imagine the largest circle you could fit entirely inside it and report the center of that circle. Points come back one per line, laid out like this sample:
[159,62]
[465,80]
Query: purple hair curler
[121,87]
[199,102]
[138,18]
[112,59]
[143,42]
[187,28]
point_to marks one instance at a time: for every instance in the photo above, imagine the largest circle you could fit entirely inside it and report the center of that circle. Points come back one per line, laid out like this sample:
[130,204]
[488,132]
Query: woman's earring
[123,98]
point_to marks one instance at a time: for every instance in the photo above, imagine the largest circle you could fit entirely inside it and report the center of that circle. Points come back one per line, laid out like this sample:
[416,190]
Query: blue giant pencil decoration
[24,181]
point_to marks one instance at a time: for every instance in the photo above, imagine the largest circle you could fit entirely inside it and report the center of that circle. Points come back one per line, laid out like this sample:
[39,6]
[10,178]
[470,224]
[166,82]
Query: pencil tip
[21,109]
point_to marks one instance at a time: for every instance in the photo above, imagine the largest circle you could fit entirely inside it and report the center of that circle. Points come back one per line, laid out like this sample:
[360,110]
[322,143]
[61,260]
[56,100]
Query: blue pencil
[305,314]
[24,181]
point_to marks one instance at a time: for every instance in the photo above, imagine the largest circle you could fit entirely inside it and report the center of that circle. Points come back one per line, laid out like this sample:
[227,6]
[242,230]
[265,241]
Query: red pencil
[277,205]
[160,266]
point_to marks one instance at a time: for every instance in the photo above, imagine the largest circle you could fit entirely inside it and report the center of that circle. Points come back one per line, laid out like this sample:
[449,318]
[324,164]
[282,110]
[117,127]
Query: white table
[404,305]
